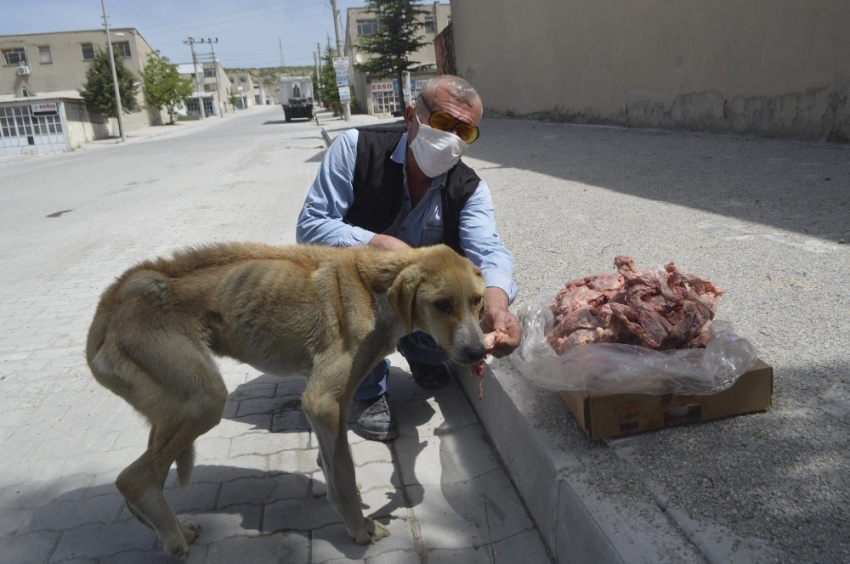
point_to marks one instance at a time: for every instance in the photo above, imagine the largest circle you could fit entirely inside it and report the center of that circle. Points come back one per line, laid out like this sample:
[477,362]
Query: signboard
[342,77]
[340,63]
[45,108]
[387,86]
[344,94]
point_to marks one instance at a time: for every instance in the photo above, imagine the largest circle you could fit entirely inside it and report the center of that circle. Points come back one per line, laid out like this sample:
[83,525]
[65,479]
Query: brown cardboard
[613,415]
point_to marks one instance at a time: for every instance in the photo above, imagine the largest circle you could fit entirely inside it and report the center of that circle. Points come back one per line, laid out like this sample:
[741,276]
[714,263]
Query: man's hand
[497,317]
[387,243]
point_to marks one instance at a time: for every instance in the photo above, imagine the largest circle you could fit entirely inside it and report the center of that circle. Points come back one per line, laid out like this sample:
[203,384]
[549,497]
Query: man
[394,188]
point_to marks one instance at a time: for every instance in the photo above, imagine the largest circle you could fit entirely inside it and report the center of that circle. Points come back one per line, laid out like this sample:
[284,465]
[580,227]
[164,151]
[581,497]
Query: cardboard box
[612,415]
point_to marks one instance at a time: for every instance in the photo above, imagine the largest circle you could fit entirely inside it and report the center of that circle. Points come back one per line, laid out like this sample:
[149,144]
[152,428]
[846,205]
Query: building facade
[211,86]
[776,68]
[41,75]
[243,86]
[382,95]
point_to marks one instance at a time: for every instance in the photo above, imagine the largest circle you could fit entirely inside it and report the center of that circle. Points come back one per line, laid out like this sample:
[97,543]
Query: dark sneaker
[373,419]
[430,376]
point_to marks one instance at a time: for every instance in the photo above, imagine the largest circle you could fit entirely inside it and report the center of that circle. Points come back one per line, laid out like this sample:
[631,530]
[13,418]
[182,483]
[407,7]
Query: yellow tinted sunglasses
[445,122]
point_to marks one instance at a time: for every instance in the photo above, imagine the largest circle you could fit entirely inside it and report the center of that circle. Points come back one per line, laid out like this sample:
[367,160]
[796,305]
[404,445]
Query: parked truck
[296,97]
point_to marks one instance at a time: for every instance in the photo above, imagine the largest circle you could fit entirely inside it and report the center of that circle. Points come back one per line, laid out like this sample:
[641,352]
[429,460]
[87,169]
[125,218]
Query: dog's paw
[176,547]
[371,532]
[191,530]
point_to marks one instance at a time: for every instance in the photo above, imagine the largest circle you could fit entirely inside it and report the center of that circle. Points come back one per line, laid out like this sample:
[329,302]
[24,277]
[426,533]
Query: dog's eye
[476,301]
[444,306]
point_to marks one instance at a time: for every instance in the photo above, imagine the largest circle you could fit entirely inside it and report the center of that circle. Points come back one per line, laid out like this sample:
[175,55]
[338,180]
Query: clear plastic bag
[619,368]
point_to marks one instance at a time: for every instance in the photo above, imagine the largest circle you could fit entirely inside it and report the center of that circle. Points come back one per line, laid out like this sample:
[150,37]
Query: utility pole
[346,106]
[191,43]
[318,80]
[282,60]
[215,71]
[118,108]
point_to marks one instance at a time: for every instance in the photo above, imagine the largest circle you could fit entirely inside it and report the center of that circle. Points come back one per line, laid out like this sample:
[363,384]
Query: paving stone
[298,515]
[272,487]
[93,541]
[194,499]
[289,547]
[446,459]
[482,511]
[60,515]
[268,443]
[233,521]
[302,461]
[290,420]
[211,448]
[28,549]
[332,543]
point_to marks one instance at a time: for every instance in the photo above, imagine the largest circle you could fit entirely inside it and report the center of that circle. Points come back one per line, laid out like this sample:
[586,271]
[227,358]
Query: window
[15,56]
[209,88]
[430,26]
[367,27]
[44,56]
[231,80]
[88,51]
[209,72]
[121,49]
[243,79]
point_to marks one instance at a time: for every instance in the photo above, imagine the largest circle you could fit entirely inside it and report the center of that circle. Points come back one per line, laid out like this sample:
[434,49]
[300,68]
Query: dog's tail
[185,465]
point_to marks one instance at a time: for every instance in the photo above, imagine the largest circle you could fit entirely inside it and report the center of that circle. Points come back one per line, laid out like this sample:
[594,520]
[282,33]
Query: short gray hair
[457,87]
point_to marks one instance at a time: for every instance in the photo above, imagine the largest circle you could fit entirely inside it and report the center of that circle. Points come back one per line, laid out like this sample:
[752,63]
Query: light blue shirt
[332,194]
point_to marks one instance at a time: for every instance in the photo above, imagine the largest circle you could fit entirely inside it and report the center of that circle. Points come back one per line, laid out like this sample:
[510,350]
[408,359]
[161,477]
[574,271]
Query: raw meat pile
[657,308]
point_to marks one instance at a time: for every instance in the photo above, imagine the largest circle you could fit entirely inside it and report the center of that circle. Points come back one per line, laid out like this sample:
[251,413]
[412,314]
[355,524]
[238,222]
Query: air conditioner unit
[24,69]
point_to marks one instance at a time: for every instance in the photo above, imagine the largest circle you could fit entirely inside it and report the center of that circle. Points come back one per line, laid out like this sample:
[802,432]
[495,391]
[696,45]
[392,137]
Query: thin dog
[323,313]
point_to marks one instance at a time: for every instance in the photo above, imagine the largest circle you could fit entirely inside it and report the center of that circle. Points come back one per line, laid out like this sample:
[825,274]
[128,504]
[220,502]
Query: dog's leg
[325,402]
[182,395]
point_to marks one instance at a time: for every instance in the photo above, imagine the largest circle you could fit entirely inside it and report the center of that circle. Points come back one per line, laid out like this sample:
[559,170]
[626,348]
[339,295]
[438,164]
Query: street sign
[44,108]
[344,94]
[342,79]
[340,63]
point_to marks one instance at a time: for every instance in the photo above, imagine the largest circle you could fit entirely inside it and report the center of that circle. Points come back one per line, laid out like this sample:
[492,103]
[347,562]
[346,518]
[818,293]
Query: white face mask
[436,151]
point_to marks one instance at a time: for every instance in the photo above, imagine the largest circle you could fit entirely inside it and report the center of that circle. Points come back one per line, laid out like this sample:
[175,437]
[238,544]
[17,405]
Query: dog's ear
[402,295]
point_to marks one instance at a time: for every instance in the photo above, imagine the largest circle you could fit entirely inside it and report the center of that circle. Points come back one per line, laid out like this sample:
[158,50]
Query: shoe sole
[389,436]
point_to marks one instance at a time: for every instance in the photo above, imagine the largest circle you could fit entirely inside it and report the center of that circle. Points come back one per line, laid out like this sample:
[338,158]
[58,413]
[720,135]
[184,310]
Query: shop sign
[45,108]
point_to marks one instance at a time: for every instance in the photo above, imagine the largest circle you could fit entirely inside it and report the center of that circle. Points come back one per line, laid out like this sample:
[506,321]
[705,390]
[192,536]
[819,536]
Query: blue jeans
[418,347]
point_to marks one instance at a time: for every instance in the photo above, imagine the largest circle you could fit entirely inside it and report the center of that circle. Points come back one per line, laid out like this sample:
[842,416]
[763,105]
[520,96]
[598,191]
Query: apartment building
[242,85]
[41,74]
[382,95]
[211,85]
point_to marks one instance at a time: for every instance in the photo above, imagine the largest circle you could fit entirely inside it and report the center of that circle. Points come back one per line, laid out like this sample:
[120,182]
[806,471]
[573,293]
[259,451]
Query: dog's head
[442,294]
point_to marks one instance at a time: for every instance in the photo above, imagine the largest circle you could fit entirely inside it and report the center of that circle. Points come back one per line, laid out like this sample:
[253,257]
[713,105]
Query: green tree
[99,90]
[398,36]
[329,92]
[164,87]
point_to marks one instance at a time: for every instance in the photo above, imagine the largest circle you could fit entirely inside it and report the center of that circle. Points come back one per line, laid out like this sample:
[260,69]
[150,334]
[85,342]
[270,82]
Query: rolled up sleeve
[481,242]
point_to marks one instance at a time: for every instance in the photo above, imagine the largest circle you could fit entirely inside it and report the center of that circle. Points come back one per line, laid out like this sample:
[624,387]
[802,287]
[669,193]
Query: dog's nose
[474,353]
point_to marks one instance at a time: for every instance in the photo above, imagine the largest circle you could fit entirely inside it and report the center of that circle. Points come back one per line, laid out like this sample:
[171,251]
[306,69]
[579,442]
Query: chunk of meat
[657,308]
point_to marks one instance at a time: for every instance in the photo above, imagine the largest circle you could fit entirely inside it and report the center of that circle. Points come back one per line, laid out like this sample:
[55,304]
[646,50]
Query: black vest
[379,186]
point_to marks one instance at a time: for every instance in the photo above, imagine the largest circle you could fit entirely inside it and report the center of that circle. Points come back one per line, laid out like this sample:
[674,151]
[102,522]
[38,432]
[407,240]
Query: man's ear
[402,295]
[410,116]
